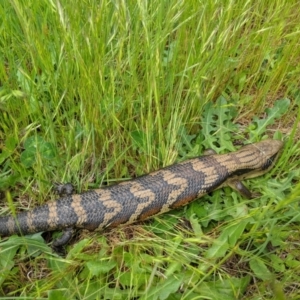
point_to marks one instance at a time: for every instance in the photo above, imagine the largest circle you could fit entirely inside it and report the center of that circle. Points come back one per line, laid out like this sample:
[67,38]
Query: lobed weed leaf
[259,125]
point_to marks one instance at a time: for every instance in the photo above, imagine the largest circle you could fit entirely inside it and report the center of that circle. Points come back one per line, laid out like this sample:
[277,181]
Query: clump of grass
[96,92]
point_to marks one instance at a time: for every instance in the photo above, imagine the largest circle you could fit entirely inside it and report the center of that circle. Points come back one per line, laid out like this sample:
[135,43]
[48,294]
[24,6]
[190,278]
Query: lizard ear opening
[270,162]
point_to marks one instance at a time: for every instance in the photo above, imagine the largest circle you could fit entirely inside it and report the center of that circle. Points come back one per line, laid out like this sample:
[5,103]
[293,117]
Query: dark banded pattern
[148,195]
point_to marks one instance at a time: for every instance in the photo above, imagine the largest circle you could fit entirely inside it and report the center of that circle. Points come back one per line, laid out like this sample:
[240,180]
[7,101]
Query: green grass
[95,92]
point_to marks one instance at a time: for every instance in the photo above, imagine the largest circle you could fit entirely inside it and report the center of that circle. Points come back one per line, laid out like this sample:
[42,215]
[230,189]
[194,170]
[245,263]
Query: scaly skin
[148,195]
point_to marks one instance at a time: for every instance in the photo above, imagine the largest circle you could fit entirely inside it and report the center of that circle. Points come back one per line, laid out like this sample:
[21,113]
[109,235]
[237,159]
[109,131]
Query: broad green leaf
[235,232]
[165,288]
[231,288]
[57,294]
[7,255]
[100,267]
[36,146]
[277,263]
[196,226]
[139,140]
[260,269]
[133,279]
[30,241]
[218,249]
[77,249]
[227,239]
